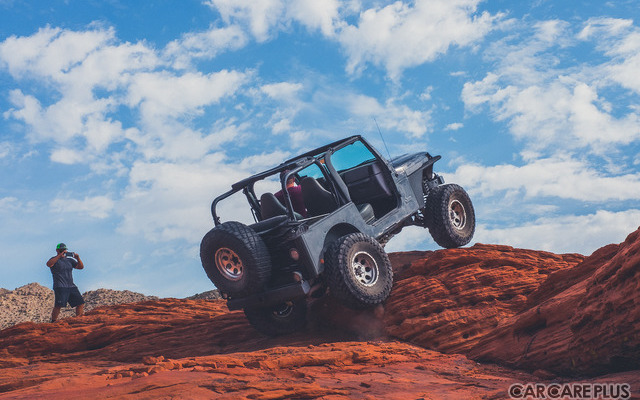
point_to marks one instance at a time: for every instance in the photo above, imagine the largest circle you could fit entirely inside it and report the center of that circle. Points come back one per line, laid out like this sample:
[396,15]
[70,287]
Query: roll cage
[321,157]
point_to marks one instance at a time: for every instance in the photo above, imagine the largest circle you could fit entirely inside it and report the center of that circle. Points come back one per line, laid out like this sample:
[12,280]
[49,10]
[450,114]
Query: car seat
[317,199]
[270,206]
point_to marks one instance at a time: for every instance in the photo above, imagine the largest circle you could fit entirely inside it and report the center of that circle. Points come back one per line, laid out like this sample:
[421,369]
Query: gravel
[33,302]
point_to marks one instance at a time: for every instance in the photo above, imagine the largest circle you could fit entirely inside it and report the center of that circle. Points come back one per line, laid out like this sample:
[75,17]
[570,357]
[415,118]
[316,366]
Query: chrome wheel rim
[457,215]
[229,264]
[364,268]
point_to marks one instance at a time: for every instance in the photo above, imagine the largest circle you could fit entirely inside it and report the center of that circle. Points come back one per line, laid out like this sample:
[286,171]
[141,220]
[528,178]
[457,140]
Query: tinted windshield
[350,156]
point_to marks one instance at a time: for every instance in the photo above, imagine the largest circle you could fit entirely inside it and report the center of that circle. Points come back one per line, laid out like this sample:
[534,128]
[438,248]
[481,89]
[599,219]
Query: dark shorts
[69,295]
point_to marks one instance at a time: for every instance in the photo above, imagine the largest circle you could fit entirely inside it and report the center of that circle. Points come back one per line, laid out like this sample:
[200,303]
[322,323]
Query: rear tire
[358,271]
[235,258]
[450,216]
[278,320]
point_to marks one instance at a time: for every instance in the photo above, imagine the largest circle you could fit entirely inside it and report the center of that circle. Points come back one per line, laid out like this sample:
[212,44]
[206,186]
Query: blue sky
[121,121]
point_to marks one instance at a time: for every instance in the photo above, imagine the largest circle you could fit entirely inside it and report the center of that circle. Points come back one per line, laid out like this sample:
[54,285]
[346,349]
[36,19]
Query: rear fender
[336,233]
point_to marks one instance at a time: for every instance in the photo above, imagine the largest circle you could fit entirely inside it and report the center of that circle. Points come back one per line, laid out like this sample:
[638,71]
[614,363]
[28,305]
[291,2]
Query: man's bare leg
[80,310]
[55,313]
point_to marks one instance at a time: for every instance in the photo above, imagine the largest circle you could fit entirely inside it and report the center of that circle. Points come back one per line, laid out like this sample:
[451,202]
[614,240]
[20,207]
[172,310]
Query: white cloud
[263,161]
[556,177]
[67,119]
[167,105]
[286,96]
[265,17]
[9,204]
[574,131]
[454,126]
[65,156]
[166,201]
[170,200]
[260,15]
[50,52]
[96,207]
[313,14]
[300,139]
[391,116]
[426,95]
[556,108]
[608,26]
[293,101]
[6,149]
[78,65]
[74,65]
[411,238]
[562,113]
[167,95]
[286,91]
[282,125]
[166,152]
[397,36]
[559,234]
[400,35]
[619,39]
[566,234]
[204,45]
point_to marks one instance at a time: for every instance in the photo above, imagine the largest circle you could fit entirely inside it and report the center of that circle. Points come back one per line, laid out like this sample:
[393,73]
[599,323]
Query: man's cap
[61,246]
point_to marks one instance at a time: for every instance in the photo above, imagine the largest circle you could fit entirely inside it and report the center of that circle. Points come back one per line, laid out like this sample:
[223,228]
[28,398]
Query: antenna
[382,137]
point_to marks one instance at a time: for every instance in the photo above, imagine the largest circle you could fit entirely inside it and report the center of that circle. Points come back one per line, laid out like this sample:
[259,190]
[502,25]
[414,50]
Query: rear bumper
[271,297]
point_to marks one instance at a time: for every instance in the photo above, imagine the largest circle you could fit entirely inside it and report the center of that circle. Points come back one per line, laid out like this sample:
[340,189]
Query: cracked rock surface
[459,324]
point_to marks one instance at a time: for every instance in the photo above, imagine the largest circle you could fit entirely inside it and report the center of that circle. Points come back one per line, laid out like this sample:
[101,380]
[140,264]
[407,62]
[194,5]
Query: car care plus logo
[570,391]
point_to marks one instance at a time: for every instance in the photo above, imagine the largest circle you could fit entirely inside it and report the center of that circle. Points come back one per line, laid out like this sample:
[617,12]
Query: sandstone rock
[523,308]
[225,358]
[585,320]
[448,299]
[149,360]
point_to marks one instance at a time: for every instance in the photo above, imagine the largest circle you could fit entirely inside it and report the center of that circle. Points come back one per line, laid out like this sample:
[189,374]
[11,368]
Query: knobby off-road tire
[358,271]
[450,216]
[278,320]
[235,258]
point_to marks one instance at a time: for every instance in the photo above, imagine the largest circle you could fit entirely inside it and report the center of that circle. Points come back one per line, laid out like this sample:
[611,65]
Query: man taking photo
[65,290]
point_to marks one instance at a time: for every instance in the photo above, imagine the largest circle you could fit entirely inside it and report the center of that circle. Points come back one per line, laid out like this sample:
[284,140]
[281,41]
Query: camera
[70,254]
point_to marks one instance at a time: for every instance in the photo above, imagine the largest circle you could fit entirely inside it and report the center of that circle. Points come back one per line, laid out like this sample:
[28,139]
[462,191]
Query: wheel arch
[337,232]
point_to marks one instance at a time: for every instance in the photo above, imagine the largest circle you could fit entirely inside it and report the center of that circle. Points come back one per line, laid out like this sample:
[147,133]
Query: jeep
[318,223]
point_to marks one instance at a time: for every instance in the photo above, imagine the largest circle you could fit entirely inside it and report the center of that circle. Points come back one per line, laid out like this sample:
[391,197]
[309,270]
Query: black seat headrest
[270,206]
[317,199]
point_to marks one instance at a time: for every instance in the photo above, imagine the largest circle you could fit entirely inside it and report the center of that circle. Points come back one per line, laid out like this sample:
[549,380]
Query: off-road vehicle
[353,201]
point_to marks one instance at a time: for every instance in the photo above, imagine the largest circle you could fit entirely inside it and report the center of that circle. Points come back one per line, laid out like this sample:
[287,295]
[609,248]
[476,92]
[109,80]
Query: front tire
[278,320]
[358,271]
[235,258]
[450,216]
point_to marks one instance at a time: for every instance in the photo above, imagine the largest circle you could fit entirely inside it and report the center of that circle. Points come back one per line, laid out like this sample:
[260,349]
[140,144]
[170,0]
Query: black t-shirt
[62,272]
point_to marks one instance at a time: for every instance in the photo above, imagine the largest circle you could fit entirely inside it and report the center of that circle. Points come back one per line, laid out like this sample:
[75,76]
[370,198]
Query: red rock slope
[526,309]
[196,349]
[583,320]
[448,299]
